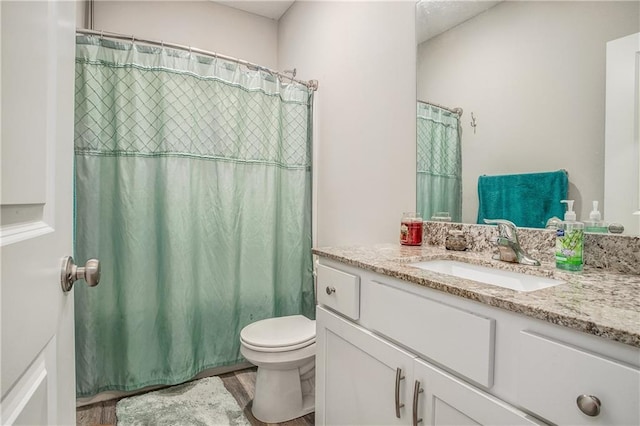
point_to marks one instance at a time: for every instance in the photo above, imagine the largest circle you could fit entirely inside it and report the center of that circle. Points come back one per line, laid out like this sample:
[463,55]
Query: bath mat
[204,402]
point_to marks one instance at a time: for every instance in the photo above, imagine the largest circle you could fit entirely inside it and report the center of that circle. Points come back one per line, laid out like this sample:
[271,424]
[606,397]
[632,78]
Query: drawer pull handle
[330,290]
[416,391]
[589,405]
[399,377]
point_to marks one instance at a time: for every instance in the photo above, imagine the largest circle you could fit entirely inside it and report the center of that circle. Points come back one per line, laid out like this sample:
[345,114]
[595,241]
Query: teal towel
[527,199]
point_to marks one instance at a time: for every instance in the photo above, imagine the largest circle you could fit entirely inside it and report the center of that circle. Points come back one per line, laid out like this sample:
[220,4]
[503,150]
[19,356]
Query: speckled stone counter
[594,301]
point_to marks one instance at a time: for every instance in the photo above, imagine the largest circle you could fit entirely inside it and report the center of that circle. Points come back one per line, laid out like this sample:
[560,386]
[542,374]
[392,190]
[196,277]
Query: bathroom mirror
[532,75]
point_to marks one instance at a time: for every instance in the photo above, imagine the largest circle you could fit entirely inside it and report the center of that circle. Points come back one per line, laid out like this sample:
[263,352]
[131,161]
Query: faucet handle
[506,228]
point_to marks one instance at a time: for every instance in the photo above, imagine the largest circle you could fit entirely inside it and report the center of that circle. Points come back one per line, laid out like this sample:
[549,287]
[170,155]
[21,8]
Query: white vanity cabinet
[406,354]
[361,379]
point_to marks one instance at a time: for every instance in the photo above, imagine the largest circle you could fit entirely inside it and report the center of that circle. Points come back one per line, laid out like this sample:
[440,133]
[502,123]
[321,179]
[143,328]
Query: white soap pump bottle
[569,215]
[595,213]
[595,223]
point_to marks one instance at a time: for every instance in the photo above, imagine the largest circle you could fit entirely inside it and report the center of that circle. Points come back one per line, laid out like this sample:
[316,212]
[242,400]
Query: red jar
[411,229]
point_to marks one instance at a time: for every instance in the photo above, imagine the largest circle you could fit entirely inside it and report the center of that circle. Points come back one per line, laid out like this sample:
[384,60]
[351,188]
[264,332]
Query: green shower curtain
[193,188]
[439,163]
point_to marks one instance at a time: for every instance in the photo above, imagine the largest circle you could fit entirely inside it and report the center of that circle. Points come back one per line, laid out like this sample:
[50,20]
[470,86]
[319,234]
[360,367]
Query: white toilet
[284,349]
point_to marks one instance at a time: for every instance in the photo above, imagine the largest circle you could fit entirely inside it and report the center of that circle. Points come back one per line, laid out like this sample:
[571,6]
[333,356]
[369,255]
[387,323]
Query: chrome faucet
[509,249]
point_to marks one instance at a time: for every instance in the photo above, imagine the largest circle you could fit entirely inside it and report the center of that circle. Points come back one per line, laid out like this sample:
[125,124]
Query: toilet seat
[279,334]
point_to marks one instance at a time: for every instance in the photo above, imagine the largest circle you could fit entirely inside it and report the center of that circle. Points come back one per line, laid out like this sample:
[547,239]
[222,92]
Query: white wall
[81,7]
[202,24]
[363,55]
[533,74]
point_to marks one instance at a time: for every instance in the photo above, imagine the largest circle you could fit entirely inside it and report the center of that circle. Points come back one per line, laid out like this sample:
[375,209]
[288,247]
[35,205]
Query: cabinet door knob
[416,391]
[330,290]
[589,405]
[399,377]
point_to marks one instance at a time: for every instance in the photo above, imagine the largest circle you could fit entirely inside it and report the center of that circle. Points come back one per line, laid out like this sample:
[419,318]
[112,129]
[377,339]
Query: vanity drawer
[456,339]
[339,291]
[552,375]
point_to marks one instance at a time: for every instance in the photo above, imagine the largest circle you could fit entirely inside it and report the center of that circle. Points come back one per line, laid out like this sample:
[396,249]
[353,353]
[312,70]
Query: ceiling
[432,16]
[437,16]
[272,9]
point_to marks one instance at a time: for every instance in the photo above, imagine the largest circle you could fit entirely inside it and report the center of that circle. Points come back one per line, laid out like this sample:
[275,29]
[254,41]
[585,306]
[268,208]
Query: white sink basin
[483,274]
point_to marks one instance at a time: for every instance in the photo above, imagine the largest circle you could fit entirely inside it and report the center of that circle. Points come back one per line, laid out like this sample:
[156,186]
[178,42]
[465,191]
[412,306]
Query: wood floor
[240,384]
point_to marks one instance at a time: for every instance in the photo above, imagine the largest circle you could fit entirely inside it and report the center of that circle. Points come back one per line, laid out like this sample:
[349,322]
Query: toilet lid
[281,332]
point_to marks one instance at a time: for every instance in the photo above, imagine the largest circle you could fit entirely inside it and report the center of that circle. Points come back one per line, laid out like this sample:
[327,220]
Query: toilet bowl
[284,351]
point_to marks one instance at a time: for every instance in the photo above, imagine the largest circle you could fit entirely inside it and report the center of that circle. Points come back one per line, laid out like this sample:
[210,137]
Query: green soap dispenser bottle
[570,241]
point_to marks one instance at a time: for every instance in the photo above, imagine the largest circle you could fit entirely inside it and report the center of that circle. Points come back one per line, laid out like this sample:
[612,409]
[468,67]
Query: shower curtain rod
[312,84]
[457,110]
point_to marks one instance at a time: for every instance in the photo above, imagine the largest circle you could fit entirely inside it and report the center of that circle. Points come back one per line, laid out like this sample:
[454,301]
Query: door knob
[70,273]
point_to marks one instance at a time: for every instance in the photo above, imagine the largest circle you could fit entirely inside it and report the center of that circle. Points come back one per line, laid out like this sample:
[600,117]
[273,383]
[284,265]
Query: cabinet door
[446,400]
[356,375]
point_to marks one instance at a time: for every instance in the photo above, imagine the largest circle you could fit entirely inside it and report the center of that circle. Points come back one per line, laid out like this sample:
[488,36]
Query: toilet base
[283,395]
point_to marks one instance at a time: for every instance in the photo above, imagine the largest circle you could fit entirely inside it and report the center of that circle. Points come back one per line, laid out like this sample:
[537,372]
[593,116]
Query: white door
[357,381]
[36,121]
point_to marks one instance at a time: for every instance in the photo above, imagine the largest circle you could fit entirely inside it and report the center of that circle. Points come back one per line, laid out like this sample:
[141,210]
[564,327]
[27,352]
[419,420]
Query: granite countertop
[594,301]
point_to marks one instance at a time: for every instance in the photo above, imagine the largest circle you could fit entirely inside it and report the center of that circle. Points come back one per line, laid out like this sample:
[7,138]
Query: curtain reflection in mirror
[439,163]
